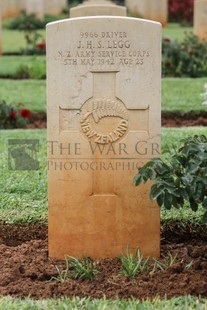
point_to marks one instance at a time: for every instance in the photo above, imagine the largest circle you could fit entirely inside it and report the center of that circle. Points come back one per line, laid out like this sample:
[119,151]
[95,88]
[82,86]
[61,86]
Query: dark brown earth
[37,121]
[175,119]
[169,119]
[26,270]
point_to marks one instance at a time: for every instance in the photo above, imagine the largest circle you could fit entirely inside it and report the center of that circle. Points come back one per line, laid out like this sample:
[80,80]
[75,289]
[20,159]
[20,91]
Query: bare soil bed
[26,270]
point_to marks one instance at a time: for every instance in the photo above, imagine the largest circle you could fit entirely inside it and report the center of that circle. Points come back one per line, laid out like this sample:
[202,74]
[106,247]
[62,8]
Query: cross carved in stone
[104,120]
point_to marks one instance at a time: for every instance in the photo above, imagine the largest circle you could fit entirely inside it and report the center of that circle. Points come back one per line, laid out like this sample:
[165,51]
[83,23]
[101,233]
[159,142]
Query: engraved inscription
[99,109]
[103,49]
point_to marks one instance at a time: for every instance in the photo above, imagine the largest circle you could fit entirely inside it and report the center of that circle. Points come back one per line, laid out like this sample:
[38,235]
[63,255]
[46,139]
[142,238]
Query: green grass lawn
[11,66]
[178,303]
[14,41]
[176,31]
[23,194]
[30,92]
[177,94]
[183,94]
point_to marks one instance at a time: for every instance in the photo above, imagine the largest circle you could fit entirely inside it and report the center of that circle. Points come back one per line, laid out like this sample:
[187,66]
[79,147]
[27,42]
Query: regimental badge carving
[104,120]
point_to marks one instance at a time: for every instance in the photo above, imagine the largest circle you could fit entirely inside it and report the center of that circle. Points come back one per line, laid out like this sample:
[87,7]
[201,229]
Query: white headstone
[97,8]
[137,7]
[36,7]
[9,8]
[64,4]
[103,96]
[156,10]
[21,5]
[53,7]
[200,19]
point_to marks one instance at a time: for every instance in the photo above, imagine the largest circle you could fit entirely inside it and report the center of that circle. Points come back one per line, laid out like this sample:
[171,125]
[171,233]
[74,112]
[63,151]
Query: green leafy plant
[184,59]
[26,21]
[181,180]
[11,117]
[132,264]
[76,269]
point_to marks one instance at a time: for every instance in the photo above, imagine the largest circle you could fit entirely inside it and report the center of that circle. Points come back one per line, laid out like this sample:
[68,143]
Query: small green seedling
[63,275]
[132,264]
[83,269]
[189,266]
[76,269]
[170,261]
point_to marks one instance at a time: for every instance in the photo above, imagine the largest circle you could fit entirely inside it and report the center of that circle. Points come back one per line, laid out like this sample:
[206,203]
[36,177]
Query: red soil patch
[37,121]
[26,269]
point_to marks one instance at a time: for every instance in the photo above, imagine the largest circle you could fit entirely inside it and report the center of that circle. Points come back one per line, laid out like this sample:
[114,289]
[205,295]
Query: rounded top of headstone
[97,8]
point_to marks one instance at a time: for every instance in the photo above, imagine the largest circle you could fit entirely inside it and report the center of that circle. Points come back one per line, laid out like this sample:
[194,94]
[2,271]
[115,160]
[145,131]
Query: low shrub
[11,117]
[184,59]
[181,181]
[26,22]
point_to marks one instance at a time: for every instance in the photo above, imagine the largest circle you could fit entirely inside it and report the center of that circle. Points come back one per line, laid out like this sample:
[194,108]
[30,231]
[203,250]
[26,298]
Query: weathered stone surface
[200,19]
[103,93]
[97,7]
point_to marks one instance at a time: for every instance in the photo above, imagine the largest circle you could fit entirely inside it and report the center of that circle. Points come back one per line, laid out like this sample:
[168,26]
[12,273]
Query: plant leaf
[137,179]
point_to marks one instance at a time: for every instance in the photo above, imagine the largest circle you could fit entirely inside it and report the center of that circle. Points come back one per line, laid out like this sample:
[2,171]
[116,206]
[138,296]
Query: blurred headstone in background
[97,8]
[36,7]
[156,10]
[200,19]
